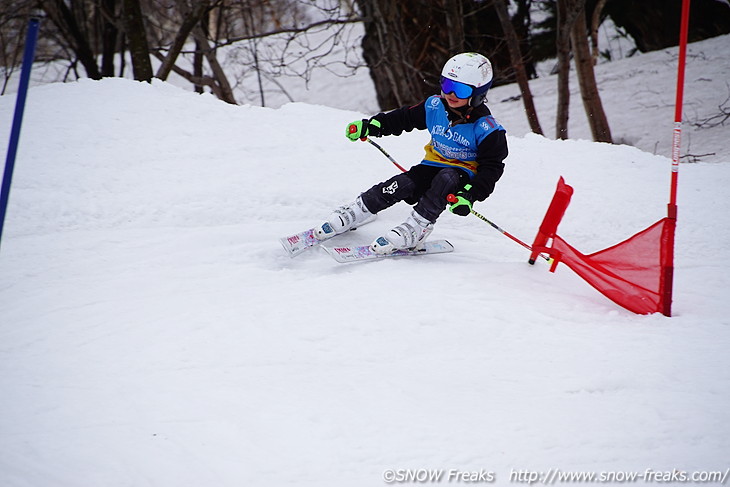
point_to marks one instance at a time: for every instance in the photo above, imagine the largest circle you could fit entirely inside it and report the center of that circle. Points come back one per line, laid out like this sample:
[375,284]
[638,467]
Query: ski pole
[353,129]
[451,198]
[385,153]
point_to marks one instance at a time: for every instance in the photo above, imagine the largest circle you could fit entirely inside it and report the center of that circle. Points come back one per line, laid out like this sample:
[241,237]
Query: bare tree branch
[289,30]
[718,119]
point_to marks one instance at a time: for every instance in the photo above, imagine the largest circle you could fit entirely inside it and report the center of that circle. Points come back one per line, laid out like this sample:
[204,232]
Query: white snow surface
[154,333]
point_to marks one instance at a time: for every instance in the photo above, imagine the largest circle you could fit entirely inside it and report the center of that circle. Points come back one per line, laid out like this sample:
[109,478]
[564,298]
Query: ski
[364,252]
[299,242]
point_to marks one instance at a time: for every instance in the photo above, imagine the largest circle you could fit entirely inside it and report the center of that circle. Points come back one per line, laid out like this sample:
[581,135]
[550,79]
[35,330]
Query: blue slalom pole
[28,56]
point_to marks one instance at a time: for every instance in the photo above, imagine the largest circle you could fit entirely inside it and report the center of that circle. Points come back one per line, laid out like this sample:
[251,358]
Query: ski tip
[299,242]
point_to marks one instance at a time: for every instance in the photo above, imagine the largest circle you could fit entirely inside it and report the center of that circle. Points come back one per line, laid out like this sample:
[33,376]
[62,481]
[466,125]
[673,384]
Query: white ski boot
[344,218]
[410,235]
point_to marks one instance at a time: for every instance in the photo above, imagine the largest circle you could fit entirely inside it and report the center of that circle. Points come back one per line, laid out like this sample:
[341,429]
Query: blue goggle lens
[459,89]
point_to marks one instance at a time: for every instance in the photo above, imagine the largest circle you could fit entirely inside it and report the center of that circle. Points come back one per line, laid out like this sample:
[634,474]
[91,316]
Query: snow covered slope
[153,332]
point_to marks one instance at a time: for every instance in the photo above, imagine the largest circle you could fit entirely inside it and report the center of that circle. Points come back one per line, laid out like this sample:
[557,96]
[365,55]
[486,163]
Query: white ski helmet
[469,68]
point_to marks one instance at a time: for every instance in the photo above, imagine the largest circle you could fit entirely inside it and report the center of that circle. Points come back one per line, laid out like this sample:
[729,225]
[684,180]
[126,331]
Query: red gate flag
[631,273]
[637,273]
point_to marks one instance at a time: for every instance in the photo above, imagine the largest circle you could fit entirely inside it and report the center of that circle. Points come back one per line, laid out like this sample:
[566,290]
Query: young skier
[464,157]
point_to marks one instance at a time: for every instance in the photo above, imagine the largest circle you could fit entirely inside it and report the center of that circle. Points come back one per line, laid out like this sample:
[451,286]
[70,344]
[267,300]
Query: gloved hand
[460,203]
[360,129]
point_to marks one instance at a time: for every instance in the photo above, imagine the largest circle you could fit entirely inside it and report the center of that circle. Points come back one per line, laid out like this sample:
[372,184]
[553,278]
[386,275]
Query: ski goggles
[461,90]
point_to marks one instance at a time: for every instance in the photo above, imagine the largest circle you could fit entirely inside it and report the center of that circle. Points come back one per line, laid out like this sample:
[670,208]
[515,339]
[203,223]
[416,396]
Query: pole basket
[635,274]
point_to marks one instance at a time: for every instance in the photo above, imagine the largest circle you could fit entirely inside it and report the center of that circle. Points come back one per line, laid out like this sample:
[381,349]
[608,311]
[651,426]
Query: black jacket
[491,152]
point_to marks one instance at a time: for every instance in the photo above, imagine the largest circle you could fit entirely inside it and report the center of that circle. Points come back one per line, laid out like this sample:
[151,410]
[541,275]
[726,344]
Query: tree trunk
[566,18]
[385,50]
[454,22]
[406,44]
[562,45]
[190,18]
[225,91]
[587,80]
[109,37]
[64,19]
[137,38]
[197,81]
[518,65]
[595,24]
[198,66]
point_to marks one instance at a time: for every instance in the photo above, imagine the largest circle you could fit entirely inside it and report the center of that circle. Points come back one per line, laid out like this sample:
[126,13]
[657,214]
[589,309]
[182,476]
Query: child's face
[455,102]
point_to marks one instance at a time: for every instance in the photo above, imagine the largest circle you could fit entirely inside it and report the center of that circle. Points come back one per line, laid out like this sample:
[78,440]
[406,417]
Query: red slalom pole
[667,277]
[677,133]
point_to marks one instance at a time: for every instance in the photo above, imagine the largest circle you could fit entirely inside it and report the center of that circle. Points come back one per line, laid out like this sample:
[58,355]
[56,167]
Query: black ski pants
[424,186]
